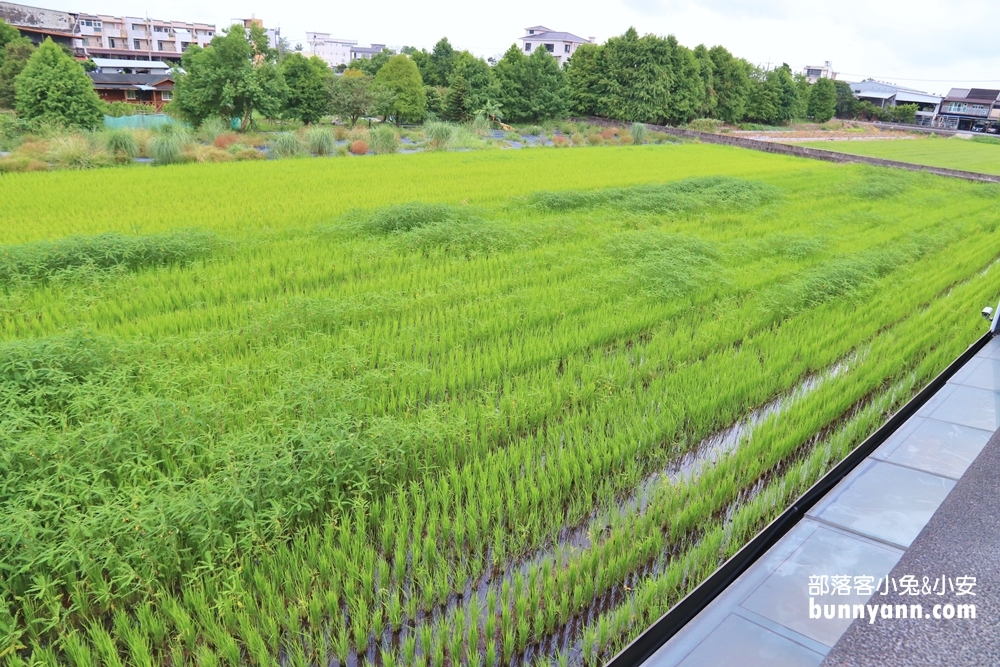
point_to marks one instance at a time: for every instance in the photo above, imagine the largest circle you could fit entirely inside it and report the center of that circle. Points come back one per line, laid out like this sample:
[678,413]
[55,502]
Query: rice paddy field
[498,408]
[952,153]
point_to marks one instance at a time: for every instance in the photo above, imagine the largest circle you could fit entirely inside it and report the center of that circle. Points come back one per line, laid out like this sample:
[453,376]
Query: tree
[435,100]
[478,77]
[8,34]
[457,106]
[509,75]
[53,88]
[351,96]
[823,100]
[687,89]
[234,76]
[371,66]
[637,78]
[730,84]
[530,88]
[13,58]
[847,104]
[583,79]
[308,87]
[441,61]
[401,77]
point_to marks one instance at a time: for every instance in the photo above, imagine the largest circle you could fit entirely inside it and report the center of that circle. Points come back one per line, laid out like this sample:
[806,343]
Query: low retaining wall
[802,151]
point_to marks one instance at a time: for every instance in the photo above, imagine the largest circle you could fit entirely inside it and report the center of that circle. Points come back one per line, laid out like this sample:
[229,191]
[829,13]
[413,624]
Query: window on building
[527,46]
[136,26]
[550,48]
[978,107]
[957,107]
[136,44]
[566,48]
[531,32]
[97,26]
[129,94]
[88,23]
[166,95]
[111,43]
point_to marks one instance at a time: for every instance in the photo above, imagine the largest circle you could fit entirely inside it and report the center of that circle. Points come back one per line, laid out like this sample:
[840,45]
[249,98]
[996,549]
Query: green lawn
[952,153]
[422,407]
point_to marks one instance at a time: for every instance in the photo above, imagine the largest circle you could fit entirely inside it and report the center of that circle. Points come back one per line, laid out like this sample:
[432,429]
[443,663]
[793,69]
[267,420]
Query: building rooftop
[557,37]
[133,81]
[863,527]
[118,63]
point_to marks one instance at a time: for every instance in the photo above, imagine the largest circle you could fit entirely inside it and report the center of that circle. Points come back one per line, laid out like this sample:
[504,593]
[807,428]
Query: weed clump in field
[359,147]
[167,145]
[439,135]
[75,152]
[121,144]
[664,265]
[406,217]
[36,262]
[639,133]
[680,196]
[879,183]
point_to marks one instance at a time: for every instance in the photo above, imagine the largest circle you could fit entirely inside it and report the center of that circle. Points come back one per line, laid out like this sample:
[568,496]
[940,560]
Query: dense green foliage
[351,96]
[356,418]
[823,100]
[401,79]
[14,54]
[530,88]
[53,89]
[235,76]
[309,84]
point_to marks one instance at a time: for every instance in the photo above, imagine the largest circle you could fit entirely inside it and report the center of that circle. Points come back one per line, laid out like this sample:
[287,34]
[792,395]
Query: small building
[814,73]
[884,95]
[37,24]
[119,66]
[971,109]
[152,89]
[562,45]
[330,50]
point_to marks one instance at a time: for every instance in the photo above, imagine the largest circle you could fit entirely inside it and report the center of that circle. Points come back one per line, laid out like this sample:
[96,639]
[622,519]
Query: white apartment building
[130,37]
[561,45]
[329,49]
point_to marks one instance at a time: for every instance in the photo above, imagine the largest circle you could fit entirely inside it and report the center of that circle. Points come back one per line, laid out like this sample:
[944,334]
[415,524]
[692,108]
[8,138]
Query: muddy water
[573,538]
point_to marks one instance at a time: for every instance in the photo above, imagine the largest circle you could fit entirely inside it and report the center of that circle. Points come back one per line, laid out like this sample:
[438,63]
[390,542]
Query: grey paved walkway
[850,541]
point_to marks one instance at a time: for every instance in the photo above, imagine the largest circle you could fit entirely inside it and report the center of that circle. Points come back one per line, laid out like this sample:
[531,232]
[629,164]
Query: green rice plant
[439,135]
[320,141]
[384,140]
[285,145]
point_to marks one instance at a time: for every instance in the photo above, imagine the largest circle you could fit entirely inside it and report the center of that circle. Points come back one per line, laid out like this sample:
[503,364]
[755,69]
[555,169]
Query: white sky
[919,43]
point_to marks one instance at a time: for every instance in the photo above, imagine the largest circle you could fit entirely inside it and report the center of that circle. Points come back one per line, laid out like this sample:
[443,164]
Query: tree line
[647,78]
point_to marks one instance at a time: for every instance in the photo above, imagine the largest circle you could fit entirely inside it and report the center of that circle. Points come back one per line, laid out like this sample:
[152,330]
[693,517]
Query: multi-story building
[332,51]
[561,45]
[133,38]
[359,52]
[273,34]
[816,72]
[972,109]
[37,24]
[884,95]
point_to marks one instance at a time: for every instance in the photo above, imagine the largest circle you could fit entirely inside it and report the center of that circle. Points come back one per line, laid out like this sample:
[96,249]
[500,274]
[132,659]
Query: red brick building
[154,89]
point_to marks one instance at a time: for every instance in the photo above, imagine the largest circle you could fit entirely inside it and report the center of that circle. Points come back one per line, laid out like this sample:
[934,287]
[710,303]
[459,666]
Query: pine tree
[823,100]
[456,102]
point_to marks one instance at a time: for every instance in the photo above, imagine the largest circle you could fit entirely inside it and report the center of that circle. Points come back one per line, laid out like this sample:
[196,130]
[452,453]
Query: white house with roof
[816,72]
[883,95]
[561,45]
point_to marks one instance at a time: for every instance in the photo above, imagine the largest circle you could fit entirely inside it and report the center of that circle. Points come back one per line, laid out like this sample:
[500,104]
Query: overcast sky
[918,43]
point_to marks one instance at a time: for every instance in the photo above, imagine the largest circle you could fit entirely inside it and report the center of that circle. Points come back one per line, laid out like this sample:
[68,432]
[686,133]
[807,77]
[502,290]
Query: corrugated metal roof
[558,37]
[131,64]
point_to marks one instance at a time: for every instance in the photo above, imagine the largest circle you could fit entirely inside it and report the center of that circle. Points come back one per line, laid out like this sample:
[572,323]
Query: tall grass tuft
[384,140]
[167,144]
[210,129]
[121,144]
[321,141]
[75,151]
[639,133]
[438,135]
[285,144]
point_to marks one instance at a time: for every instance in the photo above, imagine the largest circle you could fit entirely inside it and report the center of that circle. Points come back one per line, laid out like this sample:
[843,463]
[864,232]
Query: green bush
[639,133]
[438,135]
[285,144]
[12,129]
[710,125]
[121,144]
[320,141]
[481,124]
